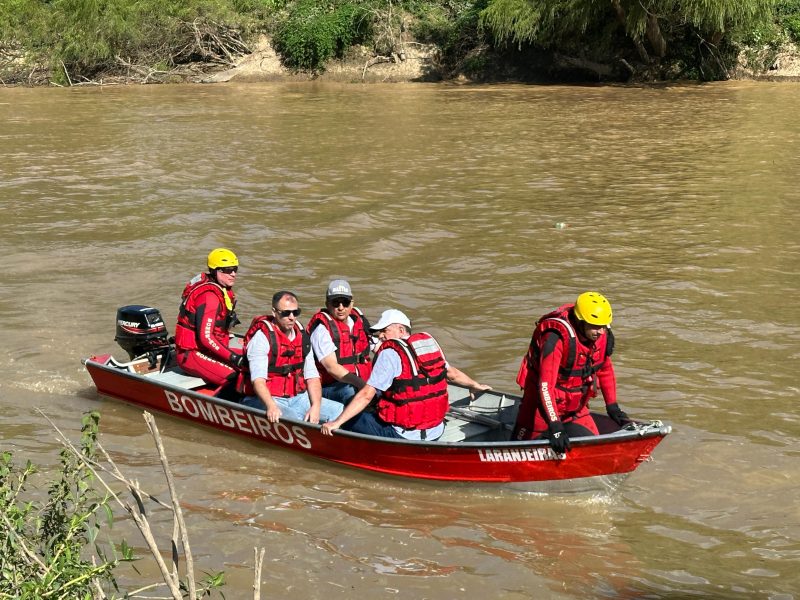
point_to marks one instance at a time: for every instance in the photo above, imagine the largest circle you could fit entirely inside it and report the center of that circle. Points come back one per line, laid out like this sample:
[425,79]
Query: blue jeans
[367,423]
[296,407]
[339,392]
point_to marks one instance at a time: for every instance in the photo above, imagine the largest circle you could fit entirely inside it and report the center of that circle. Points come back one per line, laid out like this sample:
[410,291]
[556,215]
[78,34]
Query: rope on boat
[644,427]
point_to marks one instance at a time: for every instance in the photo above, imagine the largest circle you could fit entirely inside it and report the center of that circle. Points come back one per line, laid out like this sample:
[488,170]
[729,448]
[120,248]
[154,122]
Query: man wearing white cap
[340,341]
[412,375]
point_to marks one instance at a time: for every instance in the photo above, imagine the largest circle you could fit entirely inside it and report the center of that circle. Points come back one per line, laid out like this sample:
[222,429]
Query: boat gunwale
[619,436]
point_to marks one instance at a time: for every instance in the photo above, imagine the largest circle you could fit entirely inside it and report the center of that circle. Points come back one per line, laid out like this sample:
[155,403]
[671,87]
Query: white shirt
[321,340]
[258,356]
[385,369]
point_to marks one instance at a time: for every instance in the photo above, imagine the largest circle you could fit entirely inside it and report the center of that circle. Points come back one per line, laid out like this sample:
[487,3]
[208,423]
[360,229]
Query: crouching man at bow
[411,372]
[568,358]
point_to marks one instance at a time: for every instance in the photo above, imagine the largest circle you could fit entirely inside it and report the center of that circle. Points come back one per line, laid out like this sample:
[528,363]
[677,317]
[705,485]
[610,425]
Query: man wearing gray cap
[412,374]
[340,341]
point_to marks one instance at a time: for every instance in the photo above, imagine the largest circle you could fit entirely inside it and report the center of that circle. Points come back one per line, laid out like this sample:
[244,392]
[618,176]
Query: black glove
[559,441]
[617,414]
[237,360]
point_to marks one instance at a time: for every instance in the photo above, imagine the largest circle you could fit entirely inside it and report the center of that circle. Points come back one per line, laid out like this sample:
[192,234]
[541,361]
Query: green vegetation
[787,13]
[77,40]
[56,545]
[655,33]
[315,32]
[41,549]
[73,41]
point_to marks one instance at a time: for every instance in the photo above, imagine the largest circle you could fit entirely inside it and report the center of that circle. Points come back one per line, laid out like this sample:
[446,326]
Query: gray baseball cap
[338,288]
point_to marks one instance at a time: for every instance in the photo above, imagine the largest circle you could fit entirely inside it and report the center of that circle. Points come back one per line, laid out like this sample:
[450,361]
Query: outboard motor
[141,332]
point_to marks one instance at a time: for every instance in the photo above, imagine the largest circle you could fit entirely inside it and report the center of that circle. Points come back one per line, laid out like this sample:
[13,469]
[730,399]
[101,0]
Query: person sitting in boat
[283,376]
[205,318]
[341,344]
[568,357]
[411,373]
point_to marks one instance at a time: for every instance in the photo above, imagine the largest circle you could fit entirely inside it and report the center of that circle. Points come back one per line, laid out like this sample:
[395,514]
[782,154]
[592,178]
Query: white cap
[389,317]
[338,288]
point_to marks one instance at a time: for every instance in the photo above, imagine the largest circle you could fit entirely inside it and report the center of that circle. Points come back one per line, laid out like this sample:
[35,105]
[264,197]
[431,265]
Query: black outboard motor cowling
[141,330]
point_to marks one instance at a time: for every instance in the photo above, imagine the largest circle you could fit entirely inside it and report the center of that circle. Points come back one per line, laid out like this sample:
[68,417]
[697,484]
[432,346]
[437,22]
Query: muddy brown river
[679,203]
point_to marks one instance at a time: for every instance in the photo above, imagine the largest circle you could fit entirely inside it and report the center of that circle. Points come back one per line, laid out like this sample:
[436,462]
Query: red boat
[475,446]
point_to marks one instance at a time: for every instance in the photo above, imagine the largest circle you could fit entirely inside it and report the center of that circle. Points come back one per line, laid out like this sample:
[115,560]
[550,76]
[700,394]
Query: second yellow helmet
[593,308]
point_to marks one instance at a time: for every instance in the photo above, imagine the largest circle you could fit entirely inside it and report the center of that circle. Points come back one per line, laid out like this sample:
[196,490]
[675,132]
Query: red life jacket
[286,358]
[417,398]
[185,331]
[352,347]
[576,382]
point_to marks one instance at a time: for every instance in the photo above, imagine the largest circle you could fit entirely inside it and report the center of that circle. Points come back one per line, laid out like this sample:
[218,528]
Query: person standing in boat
[283,376]
[568,358]
[412,374]
[340,340]
[205,318]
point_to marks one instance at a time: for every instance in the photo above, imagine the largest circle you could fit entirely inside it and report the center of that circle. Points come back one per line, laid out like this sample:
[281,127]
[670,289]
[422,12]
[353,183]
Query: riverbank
[486,41]
[418,63]
[413,62]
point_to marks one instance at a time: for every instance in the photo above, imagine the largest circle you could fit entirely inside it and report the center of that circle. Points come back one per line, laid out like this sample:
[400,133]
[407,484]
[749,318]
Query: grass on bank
[76,40]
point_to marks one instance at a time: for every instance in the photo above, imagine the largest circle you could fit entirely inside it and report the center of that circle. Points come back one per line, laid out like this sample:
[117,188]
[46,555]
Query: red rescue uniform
[202,335]
[561,373]
[417,398]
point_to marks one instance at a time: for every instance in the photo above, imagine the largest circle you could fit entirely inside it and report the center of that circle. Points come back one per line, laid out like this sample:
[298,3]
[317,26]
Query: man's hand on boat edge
[476,390]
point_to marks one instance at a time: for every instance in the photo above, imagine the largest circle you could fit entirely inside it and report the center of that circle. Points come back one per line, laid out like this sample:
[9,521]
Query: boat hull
[594,463]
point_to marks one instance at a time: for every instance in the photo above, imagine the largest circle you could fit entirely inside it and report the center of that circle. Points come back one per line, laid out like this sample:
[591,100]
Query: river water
[679,203]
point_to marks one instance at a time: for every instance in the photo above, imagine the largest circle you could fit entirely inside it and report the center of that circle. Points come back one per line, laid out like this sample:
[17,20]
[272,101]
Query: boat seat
[487,417]
[178,378]
[459,430]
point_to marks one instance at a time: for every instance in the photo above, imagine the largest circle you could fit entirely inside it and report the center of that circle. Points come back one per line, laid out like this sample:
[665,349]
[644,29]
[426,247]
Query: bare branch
[259,562]
[374,61]
[151,425]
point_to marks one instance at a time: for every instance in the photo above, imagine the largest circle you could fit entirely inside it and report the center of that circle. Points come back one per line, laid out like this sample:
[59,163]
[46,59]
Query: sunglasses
[335,302]
[286,313]
[228,270]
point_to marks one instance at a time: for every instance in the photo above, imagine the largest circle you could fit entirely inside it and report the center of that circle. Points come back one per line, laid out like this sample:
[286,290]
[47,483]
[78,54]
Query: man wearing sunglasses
[412,374]
[341,344]
[205,318]
[283,377]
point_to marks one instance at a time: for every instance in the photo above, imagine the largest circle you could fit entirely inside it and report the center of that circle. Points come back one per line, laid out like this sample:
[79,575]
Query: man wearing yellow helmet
[568,358]
[206,315]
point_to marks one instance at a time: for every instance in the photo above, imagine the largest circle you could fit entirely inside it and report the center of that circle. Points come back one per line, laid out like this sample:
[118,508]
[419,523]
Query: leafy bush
[456,30]
[787,13]
[41,549]
[50,548]
[314,32]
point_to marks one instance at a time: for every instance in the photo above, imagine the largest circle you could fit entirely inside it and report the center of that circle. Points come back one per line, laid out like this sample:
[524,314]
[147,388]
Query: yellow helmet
[222,257]
[593,308]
